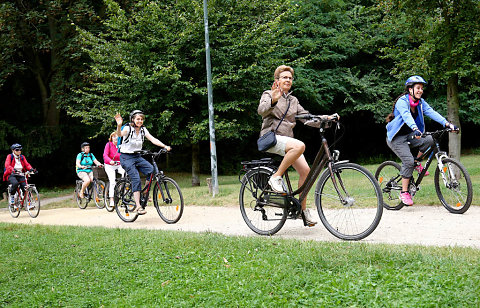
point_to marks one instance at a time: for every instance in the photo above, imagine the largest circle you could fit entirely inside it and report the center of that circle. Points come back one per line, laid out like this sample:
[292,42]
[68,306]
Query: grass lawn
[49,266]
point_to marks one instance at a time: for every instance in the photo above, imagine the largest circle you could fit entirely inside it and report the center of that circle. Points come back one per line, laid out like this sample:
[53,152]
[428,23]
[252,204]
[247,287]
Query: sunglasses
[17,149]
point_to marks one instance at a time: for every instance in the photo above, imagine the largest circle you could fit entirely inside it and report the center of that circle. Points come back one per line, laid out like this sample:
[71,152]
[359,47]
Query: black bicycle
[93,191]
[167,196]
[347,196]
[452,181]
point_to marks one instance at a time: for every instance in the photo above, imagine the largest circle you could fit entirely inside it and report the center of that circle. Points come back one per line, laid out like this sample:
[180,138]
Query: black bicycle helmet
[16,146]
[84,144]
[134,113]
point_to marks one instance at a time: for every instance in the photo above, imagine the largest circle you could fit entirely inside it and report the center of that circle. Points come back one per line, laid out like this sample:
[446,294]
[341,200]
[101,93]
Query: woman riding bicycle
[15,167]
[273,105]
[111,159]
[133,135]
[84,163]
[405,126]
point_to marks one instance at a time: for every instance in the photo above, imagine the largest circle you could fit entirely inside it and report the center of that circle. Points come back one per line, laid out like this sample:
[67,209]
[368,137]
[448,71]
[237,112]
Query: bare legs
[293,157]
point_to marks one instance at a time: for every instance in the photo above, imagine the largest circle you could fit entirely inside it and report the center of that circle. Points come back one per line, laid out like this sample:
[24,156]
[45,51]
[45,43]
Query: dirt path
[425,225]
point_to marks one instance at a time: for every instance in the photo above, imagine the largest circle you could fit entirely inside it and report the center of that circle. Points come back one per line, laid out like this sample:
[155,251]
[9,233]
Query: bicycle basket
[99,173]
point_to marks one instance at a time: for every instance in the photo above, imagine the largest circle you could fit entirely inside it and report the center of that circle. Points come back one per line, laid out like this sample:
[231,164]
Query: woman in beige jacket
[272,107]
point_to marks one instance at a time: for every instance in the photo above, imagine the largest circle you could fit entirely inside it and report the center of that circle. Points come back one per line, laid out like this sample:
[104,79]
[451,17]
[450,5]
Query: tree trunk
[195,164]
[453,106]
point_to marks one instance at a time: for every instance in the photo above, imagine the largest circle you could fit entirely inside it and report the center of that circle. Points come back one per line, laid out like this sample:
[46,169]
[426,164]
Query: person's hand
[112,162]
[452,127]
[314,123]
[119,119]
[276,92]
[334,116]
[168,148]
[417,134]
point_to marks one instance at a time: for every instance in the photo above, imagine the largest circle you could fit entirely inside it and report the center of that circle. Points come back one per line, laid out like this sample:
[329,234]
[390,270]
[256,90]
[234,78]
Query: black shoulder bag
[269,139]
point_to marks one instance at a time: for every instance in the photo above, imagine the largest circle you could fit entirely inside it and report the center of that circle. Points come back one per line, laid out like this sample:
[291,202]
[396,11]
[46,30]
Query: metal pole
[211,122]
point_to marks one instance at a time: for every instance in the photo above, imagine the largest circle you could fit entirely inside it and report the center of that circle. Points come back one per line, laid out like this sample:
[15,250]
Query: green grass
[94,267]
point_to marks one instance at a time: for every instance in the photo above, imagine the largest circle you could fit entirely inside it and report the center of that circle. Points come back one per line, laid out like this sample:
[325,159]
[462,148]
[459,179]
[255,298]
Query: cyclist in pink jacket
[111,161]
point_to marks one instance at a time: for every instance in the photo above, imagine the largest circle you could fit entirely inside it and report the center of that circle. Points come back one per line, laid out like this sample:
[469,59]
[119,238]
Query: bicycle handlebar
[440,131]
[317,117]
[147,152]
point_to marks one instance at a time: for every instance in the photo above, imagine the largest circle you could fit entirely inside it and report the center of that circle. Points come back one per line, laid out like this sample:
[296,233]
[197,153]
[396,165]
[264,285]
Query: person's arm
[97,163]
[106,154]
[155,141]
[403,106]
[432,114]
[266,105]
[8,165]
[26,165]
[119,120]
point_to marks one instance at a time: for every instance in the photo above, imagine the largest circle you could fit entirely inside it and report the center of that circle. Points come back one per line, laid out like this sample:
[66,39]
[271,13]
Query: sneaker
[308,218]
[419,169]
[112,204]
[141,211]
[276,183]
[12,200]
[406,198]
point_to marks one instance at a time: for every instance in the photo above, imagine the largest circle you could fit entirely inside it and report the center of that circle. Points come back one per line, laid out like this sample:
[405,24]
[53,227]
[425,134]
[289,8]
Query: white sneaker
[12,200]
[308,218]
[112,204]
[276,183]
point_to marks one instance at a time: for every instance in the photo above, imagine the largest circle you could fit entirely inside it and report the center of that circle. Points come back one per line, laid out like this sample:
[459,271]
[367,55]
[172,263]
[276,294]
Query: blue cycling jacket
[403,116]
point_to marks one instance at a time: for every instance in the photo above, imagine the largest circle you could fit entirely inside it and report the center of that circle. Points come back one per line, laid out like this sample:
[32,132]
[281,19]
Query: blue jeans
[132,163]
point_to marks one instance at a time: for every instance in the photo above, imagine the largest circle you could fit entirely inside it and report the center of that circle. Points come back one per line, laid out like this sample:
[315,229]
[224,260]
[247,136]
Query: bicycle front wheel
[81,202]
[264,213]
[99,192]
[124,202]
[350,205]
[106,198]
[453,186]
[390,181]
[14,209]
[168,200]
[33,202]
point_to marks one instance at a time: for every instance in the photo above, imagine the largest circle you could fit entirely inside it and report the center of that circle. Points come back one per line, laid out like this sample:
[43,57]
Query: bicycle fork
[444,168]
[345,198]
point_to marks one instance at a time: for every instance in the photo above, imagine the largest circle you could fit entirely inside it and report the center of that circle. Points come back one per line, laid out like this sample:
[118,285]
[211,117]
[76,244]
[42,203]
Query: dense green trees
[350,56]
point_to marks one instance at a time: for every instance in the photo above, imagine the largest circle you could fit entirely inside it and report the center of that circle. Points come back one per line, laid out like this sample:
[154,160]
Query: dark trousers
[16,180]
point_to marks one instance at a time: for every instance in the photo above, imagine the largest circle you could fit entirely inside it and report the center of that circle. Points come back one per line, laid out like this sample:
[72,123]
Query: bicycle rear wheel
[390,181]
[14,209]
[453,186]
[98,190]
[259,211]
[81,202]
[33,202]
[354,210]
[124,202]
[168,200]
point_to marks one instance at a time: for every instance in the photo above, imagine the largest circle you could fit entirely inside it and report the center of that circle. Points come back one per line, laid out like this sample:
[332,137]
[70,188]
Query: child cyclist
[133,135]
[405,126]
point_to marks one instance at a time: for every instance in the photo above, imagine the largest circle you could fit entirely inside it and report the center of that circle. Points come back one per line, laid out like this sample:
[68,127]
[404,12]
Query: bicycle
[106,197]
[167,196]
[31,197]
[451,179]
[93,191]
[347,196]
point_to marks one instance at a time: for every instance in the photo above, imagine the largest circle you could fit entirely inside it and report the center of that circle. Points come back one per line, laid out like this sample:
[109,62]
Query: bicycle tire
[124,202]
[453,196]
[81,202]
[14,209]
[168,200]
[361,214]
[261,216]
[106,198]
[390,181]
[98,190]
[33,202]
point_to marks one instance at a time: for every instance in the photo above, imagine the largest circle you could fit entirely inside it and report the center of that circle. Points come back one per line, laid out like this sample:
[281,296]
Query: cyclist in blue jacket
[405,126]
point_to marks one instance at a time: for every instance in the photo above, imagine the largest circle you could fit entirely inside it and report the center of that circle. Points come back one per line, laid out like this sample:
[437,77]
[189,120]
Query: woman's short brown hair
[281,69]
[111,136]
